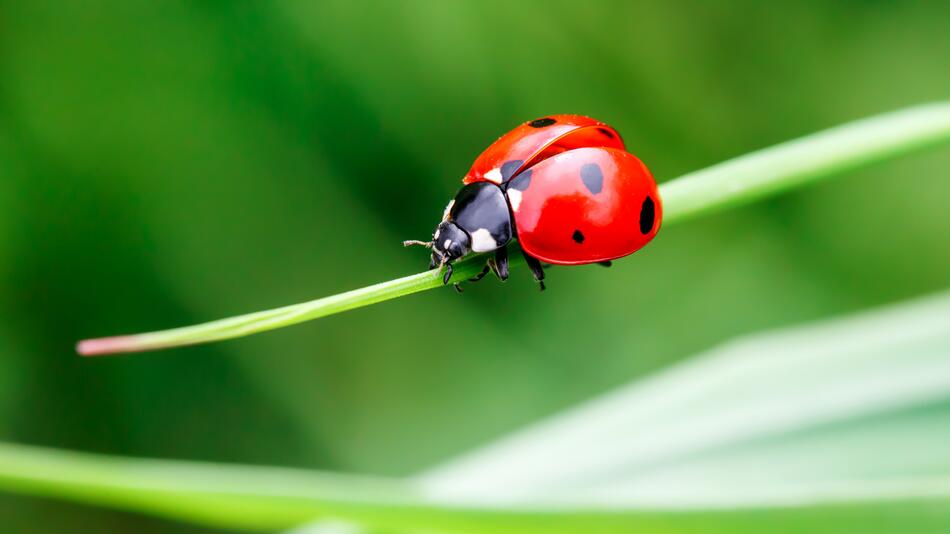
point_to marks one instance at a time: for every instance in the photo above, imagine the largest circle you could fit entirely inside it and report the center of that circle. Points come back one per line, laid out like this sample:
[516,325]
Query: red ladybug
[564,185]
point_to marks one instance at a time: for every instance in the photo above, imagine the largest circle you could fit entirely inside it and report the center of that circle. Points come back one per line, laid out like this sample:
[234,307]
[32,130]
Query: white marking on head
[448,209]
[447,244]
[514,198]
[482,241]
[494,175]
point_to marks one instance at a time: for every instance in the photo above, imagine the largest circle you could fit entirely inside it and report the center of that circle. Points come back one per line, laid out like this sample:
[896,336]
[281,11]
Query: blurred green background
[173,162]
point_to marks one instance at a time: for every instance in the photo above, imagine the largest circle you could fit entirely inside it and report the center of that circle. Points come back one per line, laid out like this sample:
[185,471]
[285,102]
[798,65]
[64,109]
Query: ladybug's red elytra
[564,186]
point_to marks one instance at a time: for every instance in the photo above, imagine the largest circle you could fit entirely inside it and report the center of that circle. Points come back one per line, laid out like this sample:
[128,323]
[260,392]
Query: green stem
[737,181]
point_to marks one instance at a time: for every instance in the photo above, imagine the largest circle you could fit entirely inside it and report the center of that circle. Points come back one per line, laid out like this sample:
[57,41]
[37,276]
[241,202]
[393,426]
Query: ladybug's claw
[411,242]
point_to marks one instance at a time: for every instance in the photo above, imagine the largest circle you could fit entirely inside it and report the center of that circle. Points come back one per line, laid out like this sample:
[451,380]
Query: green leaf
[838,426]
[814,413]
[262,499]
[733,182]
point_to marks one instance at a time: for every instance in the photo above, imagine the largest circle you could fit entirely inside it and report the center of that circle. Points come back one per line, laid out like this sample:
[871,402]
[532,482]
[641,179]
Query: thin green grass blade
[727,184]
[798,162]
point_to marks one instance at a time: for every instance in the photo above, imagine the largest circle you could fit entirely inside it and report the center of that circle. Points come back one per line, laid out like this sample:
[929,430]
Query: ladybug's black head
[449,243]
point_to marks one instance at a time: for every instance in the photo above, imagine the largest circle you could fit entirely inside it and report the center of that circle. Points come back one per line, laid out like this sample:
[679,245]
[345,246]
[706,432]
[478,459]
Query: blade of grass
[262,499]
[797,162]
[730,183]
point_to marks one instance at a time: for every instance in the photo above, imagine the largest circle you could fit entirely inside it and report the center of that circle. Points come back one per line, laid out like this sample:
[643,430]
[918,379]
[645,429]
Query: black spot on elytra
[647,216]
[541,123]
[521,182]
[592,177]
[577,236]
[606,132]
[510,167]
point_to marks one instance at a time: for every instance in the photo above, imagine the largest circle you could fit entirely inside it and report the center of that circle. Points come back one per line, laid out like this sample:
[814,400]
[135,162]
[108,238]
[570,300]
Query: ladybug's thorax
[478,220]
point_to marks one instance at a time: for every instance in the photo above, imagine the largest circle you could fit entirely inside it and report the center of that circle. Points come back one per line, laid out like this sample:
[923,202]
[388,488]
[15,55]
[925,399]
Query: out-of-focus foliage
[163,164]
[838,426]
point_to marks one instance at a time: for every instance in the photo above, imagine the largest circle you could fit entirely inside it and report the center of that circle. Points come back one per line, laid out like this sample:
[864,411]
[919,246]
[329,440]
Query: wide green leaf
[814,412]
[829,427]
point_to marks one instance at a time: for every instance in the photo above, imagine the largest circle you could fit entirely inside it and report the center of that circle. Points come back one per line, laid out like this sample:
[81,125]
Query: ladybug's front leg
[448,273]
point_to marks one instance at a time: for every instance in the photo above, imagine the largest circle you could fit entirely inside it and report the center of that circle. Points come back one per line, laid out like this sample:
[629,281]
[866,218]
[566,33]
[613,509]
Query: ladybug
[564,186]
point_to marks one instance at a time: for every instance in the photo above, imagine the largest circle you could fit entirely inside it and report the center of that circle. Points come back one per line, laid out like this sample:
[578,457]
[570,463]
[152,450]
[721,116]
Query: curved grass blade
[267,499]
[797,162]
[727,184]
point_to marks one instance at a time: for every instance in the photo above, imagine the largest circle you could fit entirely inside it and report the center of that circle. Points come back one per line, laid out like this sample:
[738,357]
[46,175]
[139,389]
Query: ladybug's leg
[480,275]
[535,267]
[500,265]
[448,274]
[607,263]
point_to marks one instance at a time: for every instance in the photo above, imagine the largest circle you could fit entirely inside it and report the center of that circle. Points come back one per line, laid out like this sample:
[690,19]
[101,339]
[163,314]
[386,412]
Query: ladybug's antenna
[410,242]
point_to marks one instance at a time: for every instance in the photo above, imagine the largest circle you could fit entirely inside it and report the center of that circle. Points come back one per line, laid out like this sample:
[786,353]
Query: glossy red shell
[585,205]
[539,139]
